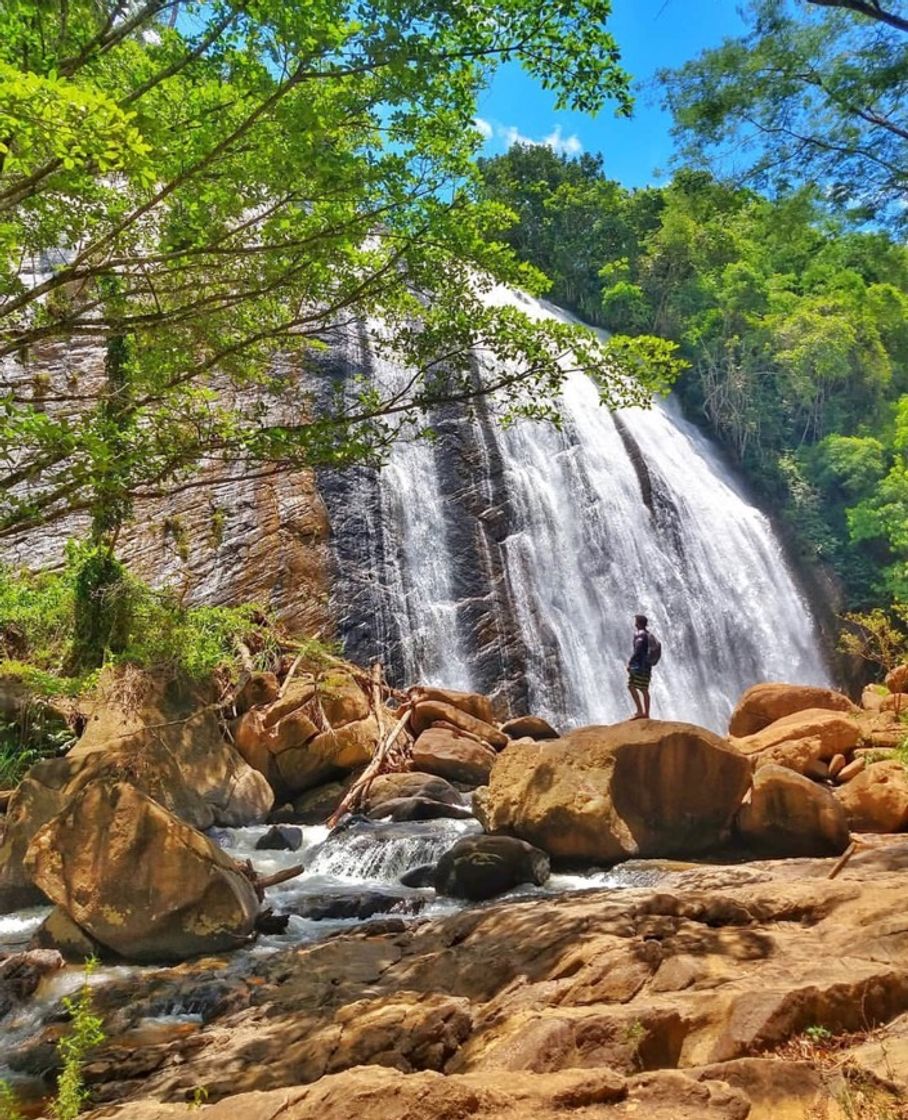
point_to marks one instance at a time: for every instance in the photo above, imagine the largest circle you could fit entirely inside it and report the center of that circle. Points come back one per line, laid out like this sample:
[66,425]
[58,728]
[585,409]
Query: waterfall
[513,561]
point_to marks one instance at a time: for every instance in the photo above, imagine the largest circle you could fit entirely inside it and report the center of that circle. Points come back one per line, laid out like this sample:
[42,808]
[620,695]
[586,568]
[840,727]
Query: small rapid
[359,863]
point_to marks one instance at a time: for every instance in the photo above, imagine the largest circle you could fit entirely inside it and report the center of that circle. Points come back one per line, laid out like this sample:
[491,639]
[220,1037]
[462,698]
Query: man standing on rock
[639,668]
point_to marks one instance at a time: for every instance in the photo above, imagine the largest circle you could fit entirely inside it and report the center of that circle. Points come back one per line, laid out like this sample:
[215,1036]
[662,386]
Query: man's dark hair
[640,621]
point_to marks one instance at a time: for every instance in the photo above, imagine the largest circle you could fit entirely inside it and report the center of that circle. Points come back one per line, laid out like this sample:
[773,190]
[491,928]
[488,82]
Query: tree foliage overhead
[816,91]
[206,200]
[795,326]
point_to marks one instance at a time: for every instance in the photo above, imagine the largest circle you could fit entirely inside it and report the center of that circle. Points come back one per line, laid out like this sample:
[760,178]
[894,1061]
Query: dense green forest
[775,258]
[196,189]
[793,322]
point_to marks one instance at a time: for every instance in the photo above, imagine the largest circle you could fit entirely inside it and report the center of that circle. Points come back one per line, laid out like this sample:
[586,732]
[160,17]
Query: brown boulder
[260,741]
[341,698]
[882,729]
[52,783]
[472,703]
[20,975]
[851,770]
[169,724]
[427,712]
[897,679]
[412,783]
[836,733]
[453,756]
[895,702]
[58,931]
[330,754]
[257,690]
[799,755]
[298,694]
[641,788]
[877,799]
[316,805]
[529,727]
[38,798]
[139,880]
[763,704]
[789,815]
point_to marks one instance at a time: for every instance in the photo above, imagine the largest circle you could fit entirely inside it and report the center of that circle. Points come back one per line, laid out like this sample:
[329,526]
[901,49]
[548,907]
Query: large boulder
[803,756]
[20,975]
[763,704]
[882,730]
[479,867]
[58,931]
[341,698]
[789,815]
[473,703]
[170,724]
[410,783]
[897,679]
[261,739]
[835,732]
[316,805]
[37,799]
[138,880]
[427,712]
[454,756]
[298,692]
[604,794]
[877,799]
[529,727]
[52,783]
[330,754]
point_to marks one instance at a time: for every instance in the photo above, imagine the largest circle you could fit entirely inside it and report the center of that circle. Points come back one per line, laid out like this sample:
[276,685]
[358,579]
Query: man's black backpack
[653,649]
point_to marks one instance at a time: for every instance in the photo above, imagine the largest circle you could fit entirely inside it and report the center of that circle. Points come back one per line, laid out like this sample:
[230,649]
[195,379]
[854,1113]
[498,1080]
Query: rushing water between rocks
[365,860]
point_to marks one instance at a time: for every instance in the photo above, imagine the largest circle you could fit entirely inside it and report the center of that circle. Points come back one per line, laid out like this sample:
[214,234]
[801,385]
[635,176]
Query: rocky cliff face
[229,535]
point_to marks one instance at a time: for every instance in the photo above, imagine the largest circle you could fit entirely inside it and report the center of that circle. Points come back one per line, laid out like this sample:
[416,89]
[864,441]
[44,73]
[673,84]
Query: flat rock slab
[375,1093]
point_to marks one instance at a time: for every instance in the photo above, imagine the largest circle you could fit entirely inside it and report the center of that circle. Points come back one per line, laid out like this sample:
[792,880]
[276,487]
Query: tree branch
[869,8]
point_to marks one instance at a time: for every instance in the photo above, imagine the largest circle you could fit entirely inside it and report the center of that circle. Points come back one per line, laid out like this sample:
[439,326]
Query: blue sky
[651,34]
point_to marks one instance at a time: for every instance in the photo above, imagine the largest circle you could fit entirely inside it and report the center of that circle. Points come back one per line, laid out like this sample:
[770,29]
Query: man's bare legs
[641,701]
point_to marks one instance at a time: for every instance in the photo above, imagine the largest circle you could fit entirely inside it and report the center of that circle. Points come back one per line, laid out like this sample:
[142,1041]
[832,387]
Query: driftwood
[245,655]
[262,882]
[377,704]
[843,859]
[361,675]
[388,757]
[289,677]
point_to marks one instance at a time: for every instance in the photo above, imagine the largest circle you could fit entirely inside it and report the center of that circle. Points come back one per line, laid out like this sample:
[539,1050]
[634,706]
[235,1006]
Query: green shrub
[25,741]
[61,625]
[9,1107]
[85,1034]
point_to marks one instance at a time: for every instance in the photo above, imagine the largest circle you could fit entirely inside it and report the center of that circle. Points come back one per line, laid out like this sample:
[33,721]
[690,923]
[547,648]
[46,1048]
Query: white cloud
[566,145]
[563,145]
[483,127]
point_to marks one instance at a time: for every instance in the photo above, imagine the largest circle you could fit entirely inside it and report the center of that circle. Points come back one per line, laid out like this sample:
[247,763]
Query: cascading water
[513,562]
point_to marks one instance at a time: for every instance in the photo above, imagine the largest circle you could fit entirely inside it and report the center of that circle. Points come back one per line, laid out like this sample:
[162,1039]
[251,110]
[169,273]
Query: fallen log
[385,759]
[843,859]
[262,882]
